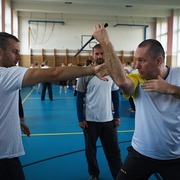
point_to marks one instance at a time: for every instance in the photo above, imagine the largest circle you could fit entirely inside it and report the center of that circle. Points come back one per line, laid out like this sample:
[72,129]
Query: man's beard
[99,61]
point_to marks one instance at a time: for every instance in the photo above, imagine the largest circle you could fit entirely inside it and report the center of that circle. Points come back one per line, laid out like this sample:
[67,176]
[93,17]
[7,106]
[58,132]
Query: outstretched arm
[34,75]
[112,61]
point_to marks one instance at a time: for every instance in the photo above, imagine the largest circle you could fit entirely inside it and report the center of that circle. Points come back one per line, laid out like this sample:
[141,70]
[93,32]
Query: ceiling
[99,8]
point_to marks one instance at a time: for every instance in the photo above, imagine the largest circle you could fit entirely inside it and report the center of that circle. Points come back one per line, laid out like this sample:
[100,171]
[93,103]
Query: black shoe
[92,177]
[75,93]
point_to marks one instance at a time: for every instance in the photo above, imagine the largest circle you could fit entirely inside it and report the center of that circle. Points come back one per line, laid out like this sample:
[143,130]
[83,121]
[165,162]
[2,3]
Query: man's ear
[159,60]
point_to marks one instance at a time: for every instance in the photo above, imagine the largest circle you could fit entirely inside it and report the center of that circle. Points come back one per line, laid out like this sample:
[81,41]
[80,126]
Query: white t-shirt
[157,120]
[98,98]
[10,132]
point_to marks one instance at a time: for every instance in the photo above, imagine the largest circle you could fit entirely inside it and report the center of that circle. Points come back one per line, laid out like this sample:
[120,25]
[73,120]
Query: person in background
[39,85]
[69,81]
[36,65]
[12,79]
[32,65]
[46,85]
[94,99]
[62,84]
[75,84]
[155,146]
[127,67]
[89,62]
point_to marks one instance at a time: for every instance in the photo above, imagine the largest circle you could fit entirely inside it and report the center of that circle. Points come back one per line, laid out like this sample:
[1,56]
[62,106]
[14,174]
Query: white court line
[71,133]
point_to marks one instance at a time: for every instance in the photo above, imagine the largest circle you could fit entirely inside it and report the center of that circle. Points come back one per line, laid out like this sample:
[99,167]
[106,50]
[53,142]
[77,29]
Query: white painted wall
[69,36]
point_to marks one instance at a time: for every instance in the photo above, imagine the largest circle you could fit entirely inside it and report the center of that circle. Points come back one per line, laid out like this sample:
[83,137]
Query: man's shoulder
[86,78]
[176,69]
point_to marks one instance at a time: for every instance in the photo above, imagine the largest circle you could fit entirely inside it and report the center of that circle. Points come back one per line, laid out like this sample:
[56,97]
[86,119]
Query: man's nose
[100,56]
[137,65]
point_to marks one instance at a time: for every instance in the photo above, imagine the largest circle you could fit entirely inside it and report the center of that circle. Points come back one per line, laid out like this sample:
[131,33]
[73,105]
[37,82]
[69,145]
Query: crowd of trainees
[63,85]
[155,146]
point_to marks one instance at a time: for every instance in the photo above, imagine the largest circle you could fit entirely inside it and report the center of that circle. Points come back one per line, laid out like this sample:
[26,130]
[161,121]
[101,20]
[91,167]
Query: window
[176,37]
[162,32]
[7,17]
[0,15]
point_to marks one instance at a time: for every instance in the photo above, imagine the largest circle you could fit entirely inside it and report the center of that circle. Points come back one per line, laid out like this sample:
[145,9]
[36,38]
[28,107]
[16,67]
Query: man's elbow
[126,87]
[121,84]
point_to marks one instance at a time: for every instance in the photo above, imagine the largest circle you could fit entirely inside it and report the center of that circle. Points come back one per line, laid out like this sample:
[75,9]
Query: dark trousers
[131,101]
[137,166]
[108,136]
[45,86]
[11,169]
[21,110]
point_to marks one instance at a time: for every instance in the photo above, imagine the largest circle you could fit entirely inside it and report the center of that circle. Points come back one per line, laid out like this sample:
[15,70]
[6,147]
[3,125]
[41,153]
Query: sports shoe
[132,110]
[92,177]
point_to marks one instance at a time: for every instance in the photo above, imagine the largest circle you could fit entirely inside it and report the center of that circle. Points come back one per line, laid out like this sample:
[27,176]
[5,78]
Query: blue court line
[65,154]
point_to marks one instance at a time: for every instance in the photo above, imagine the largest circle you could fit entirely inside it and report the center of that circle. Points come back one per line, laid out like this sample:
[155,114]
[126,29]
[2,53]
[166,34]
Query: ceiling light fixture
[129,6]
[44,21]
[68,2]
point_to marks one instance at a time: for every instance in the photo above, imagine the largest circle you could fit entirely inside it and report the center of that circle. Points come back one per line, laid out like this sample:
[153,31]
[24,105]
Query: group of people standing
[42,88]
[155,146]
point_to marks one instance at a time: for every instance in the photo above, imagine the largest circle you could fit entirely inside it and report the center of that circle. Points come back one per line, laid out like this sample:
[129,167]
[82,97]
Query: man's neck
[165,72]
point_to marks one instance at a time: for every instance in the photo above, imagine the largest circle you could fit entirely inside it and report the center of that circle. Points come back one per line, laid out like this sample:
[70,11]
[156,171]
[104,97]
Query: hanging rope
[35,33]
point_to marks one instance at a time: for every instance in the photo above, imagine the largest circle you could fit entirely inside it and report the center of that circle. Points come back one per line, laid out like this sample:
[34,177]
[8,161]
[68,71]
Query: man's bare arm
[34,76]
